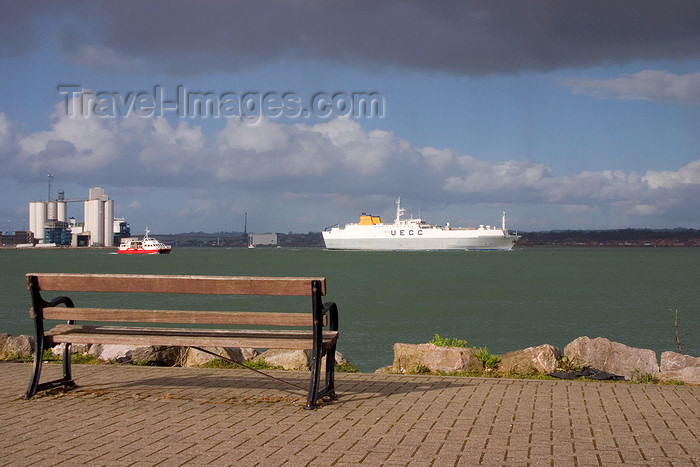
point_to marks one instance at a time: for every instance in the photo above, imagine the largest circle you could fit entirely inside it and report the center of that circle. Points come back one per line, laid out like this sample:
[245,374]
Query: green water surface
[502,300]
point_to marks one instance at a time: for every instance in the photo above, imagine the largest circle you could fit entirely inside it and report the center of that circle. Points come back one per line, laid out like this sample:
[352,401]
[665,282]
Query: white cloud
[654,85]
[493,178]
[687,175]
[438,159]
[132,151]
[199,175]
[363,152]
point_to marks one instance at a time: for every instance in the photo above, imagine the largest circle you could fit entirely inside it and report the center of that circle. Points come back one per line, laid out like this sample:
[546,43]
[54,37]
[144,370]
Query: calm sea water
[503,300]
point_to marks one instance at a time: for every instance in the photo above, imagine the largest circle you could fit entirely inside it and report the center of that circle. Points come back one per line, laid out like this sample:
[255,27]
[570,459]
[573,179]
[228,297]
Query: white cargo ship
[414,234]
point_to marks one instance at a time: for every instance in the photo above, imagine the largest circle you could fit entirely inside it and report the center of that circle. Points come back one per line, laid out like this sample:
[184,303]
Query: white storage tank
[51,210]
[61,211]
[32,217]
[108,213]
[94,221]
[37,218]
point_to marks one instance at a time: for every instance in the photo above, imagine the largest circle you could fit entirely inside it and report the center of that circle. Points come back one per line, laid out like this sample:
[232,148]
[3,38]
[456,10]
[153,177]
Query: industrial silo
[94,221]
[37,218]
[61,211]
[51,210]
[108,218]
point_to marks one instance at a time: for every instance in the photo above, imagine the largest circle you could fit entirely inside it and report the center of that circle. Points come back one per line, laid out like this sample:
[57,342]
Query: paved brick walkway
[126,415]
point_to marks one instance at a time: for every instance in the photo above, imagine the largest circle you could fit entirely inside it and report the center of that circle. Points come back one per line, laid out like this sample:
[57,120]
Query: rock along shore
[598,355]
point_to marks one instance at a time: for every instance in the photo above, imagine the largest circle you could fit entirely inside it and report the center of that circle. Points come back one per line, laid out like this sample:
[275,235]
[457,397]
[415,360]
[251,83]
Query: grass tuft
[448,341]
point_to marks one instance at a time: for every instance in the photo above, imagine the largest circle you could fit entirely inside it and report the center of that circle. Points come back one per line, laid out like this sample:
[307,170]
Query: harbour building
[49,225]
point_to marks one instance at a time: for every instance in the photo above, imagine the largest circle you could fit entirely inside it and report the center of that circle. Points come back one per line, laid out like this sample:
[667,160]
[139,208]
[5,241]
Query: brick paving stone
[124,415]
[588,458]
[610,457]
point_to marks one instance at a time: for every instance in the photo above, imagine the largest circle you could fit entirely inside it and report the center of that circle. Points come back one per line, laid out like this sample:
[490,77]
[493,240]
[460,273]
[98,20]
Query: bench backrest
[219,285]
[148,283]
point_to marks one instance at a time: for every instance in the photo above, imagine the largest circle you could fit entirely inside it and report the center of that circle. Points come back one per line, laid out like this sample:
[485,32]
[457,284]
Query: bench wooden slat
[233,285]
[289,339]
[179,316]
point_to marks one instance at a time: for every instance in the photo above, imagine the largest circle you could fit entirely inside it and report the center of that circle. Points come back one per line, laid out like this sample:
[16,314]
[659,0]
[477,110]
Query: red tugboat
[144,246]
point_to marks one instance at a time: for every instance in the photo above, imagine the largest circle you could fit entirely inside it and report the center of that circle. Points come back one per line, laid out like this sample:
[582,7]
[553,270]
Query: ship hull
[440,240]
[133,251]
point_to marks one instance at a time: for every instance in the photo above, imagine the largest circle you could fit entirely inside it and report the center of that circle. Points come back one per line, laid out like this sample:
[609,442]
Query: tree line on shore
[617,237]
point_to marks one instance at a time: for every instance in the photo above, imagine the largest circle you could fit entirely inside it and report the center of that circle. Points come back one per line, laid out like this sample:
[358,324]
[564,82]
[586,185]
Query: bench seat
[189,337]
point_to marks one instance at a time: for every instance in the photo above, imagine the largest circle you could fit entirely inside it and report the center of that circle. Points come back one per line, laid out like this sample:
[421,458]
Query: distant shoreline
[624,238]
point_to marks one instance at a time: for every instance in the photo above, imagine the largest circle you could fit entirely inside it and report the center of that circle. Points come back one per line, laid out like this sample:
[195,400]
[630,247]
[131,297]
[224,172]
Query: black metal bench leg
[67,377]
[66,381]
[36,373]
[37,315]
[314,382]
[330,373]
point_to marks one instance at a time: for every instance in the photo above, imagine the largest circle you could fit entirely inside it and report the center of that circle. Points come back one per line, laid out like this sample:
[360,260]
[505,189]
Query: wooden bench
[320,339]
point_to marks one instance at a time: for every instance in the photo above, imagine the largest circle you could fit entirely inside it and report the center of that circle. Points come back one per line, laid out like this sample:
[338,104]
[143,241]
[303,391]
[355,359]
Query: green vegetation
[77,358]
[146,363]
[490,361]
[346,368]
[257,364]
[564,364]
[531,374]
[219,363]
[643,378]
[419,369]
[84,358]
[261,364]
[673,382]
[447,341]
[13,356]
[467,374]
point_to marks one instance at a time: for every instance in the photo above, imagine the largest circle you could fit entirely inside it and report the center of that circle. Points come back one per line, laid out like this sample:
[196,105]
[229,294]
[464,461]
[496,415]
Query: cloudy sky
[567,115]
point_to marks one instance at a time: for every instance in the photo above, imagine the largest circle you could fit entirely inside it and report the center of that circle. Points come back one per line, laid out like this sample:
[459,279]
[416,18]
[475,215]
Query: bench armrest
[331,309]
[38,303]
[55,302]
[60,301]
